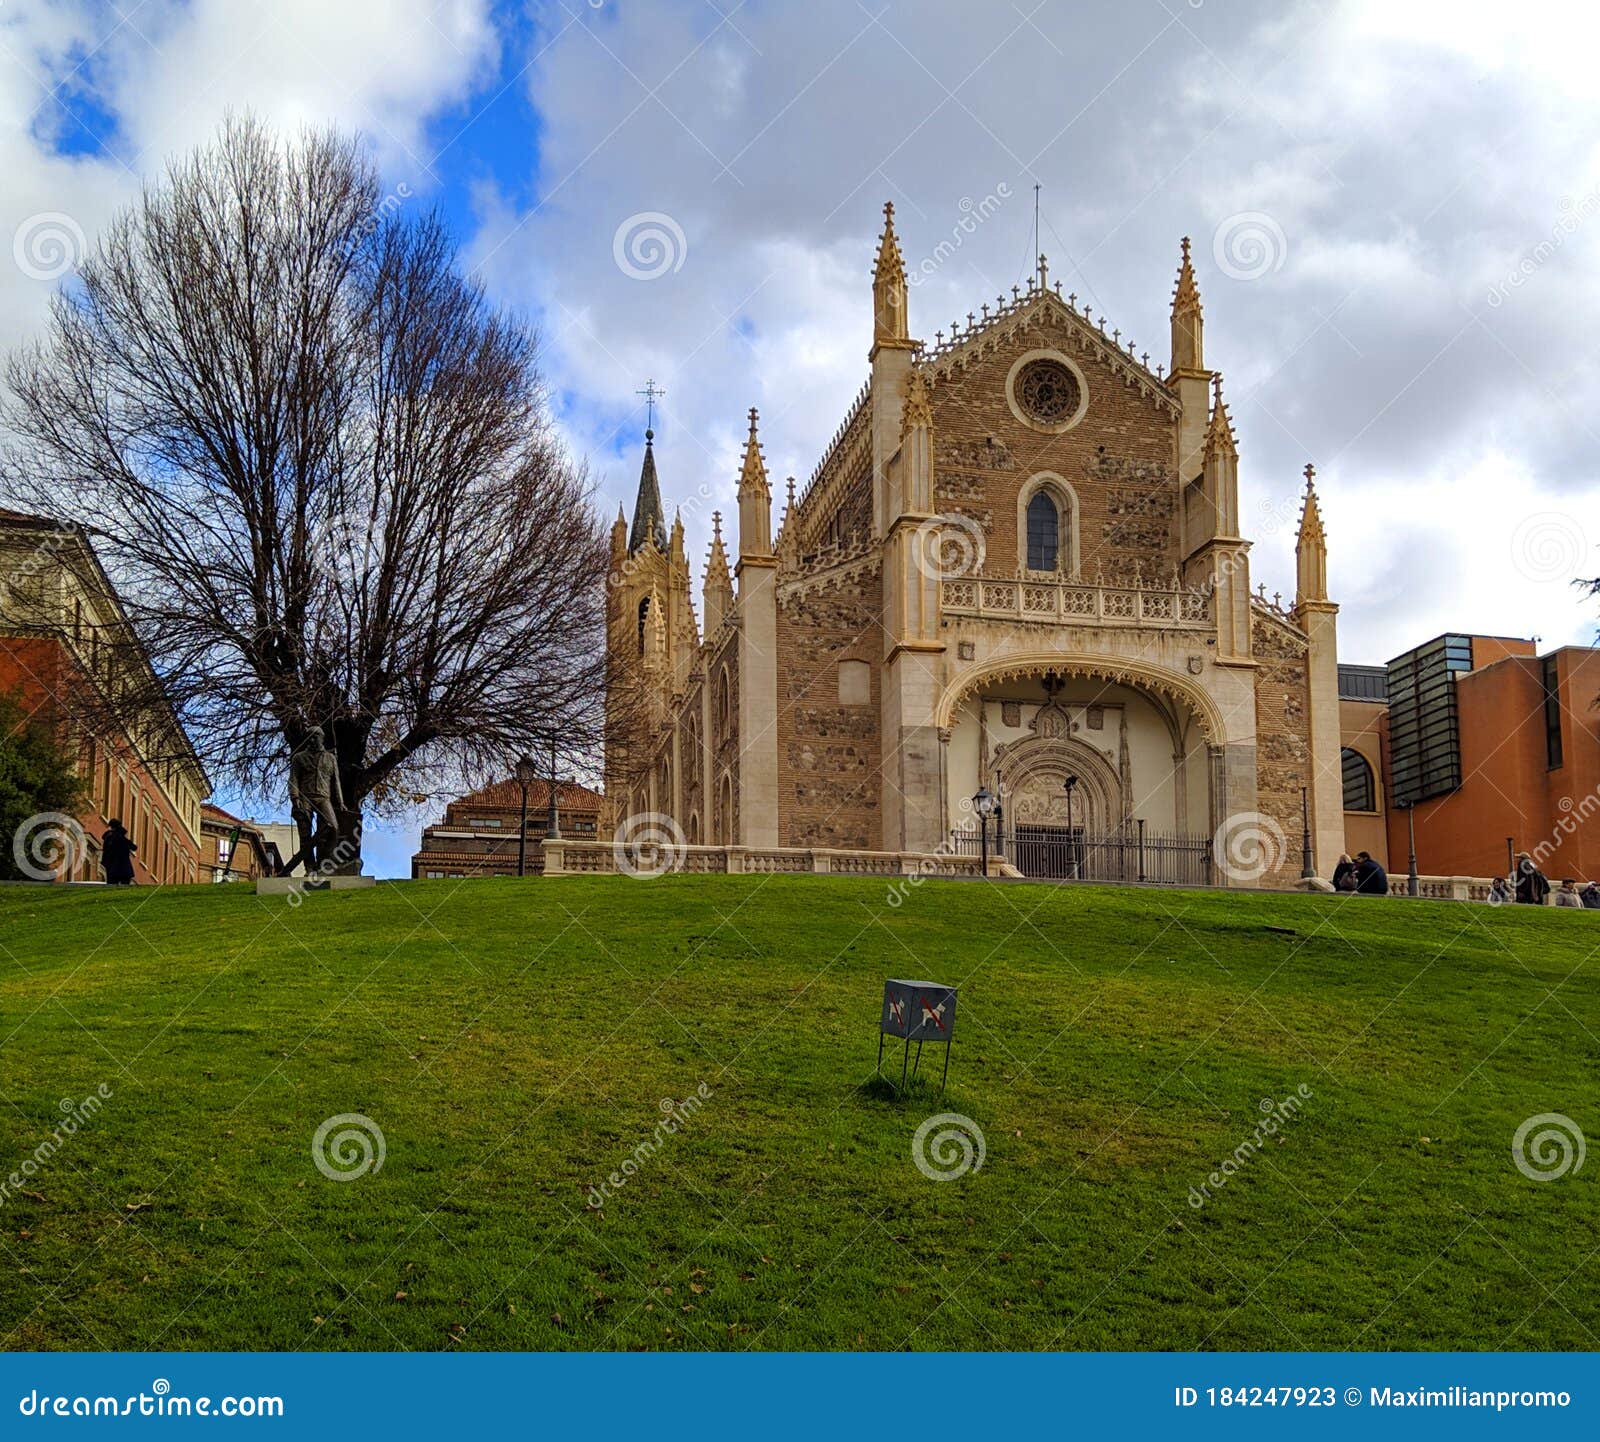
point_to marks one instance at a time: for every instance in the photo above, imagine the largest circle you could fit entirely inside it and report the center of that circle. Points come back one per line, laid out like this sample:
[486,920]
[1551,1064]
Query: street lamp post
[983,804]
[552,828]
[527,774]
[1069,786]
[1306,868]
[1413,883]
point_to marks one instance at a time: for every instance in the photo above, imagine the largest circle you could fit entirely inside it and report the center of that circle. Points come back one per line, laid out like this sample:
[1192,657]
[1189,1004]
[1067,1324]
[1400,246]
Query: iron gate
[1134,853]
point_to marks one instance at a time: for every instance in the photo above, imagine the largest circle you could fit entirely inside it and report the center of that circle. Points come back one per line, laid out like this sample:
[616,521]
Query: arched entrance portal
[1099,777]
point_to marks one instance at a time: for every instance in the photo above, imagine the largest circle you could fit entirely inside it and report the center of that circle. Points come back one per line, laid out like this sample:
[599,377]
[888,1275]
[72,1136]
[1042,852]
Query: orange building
[1495,748]
[479,833]
[62,631]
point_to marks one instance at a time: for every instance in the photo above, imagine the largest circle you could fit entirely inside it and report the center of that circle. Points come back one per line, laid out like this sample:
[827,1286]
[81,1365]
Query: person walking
[1371,878]
[1532,884]
[1344,874]
[116,854]
[1568,895]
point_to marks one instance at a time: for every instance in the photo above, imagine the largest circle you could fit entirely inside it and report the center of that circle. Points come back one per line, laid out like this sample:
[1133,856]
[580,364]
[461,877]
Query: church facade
[1017,569]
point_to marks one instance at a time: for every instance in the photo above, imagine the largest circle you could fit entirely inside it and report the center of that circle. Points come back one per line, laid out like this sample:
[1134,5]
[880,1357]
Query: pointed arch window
[644,617]
[1044,532]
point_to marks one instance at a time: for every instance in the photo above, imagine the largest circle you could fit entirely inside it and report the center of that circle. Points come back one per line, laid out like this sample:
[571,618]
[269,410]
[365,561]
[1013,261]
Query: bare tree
[320,466]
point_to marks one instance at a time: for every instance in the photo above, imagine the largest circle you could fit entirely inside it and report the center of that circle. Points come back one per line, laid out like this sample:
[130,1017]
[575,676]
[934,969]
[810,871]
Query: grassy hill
[514,1043]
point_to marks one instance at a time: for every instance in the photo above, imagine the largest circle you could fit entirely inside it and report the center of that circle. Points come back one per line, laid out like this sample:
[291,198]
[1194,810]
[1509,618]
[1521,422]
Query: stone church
[1019,568]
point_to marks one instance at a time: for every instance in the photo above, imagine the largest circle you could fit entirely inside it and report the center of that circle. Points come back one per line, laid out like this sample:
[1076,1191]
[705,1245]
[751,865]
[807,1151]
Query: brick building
[62,636]
[1491,741]
[479,833]
[234,849]
[1018,561]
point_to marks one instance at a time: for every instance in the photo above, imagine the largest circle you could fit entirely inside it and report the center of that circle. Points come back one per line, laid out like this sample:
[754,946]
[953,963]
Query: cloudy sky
[1395,210]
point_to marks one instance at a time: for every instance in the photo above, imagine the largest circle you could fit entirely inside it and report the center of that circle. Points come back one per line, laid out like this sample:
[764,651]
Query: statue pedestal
[298,885]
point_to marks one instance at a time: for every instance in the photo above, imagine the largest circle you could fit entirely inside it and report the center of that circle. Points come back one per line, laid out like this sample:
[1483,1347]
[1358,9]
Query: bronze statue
[315,800]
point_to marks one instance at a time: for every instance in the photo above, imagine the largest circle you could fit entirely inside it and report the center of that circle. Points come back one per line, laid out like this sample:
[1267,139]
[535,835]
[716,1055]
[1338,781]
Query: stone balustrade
[1075,603]
[575,858]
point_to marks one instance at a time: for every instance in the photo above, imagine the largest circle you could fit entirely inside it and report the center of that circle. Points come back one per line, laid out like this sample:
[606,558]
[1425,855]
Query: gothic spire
[716,592]
[1311,548]
[889,320]
[755,498]
[1188,349]
[648,523]
[1219,435]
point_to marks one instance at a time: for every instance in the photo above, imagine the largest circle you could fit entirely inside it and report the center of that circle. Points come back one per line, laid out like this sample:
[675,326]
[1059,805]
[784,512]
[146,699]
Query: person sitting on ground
[1532,885]
[1589,895]
[1499,892]
[1371,879]
[1344,874]
[1568,895]
[116,854]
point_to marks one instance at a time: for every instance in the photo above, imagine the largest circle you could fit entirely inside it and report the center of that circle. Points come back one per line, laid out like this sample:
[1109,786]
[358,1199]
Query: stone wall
[1283,747]
[1118,459]
[724,682]
[828,749]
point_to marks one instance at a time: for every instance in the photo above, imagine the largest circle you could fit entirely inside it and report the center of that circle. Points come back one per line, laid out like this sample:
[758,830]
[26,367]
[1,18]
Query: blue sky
[1393,210]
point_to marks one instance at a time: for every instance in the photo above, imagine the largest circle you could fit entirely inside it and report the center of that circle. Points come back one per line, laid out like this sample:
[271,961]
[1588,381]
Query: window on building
[644,617]
[1044,532]
[1360,792]
[1552,713]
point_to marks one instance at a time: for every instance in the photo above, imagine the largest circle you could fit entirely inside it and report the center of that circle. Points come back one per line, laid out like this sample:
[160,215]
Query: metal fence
[1134,853]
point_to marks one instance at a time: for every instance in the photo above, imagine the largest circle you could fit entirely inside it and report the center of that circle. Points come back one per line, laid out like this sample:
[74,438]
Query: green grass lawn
[513,1042]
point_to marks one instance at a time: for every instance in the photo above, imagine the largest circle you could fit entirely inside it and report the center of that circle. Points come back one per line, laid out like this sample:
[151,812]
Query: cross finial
[651,393]
[752,420]
[1185,244]
[1311,473]
[1044,271]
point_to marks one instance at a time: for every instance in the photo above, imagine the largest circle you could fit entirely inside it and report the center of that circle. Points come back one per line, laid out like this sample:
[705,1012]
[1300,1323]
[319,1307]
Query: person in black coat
[1532,884]
[1344,874]
[116,855]
[1371,879]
